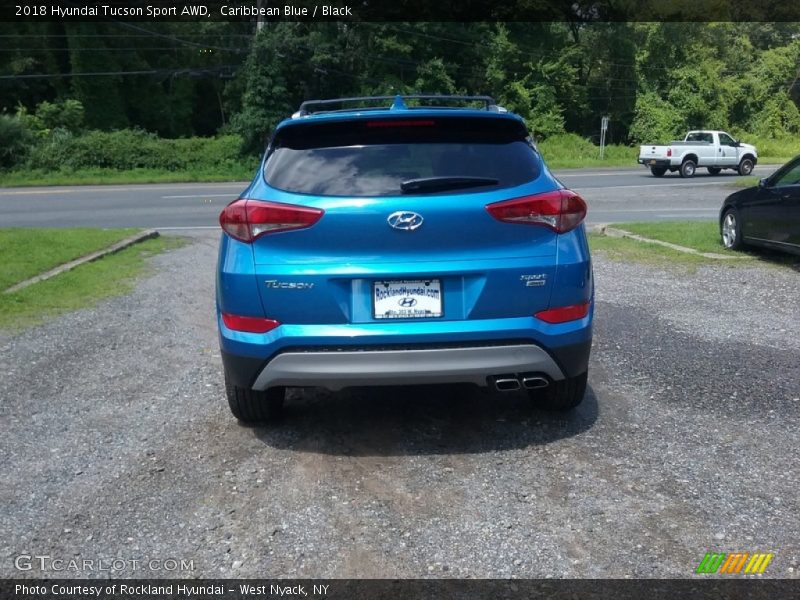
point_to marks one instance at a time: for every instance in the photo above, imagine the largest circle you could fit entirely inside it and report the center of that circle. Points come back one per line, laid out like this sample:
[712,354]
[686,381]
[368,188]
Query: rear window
[700,137]
[375,157]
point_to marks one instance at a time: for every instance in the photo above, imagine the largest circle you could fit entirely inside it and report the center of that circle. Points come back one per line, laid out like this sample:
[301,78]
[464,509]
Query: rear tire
[658,171]
[745,167]
[561,396]
[253,406]
[714,170]
[688,167]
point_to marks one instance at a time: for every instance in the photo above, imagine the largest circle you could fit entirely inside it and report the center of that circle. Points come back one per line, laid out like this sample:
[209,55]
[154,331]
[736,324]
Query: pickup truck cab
[714,150]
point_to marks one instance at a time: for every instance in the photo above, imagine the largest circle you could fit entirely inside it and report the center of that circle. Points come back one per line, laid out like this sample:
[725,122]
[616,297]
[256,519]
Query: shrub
[656,121]
[778,117]
[51,152]
[49,116]
[61,115]
[16,141]
[568,146]
[782,147]
[133,149]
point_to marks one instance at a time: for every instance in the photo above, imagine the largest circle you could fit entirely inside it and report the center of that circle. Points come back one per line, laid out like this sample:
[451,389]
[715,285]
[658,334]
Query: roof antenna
[398,103]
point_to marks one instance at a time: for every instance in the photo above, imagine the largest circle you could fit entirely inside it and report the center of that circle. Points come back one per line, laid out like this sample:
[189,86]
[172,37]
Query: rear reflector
[560,210]
[564,313]
[246,219]
[249,324]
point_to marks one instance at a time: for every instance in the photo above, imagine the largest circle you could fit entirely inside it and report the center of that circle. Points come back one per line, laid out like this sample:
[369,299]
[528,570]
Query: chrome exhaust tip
[535,382]
[506,384]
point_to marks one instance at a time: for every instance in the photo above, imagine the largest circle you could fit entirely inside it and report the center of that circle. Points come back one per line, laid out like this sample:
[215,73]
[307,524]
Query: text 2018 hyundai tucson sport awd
[403,245]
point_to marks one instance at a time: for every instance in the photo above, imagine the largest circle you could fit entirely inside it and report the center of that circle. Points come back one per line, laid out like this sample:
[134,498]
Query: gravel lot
[116,442]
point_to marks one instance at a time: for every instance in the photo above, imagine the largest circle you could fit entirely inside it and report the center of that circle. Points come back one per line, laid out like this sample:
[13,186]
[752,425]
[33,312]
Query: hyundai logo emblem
[404,220]
[407,302]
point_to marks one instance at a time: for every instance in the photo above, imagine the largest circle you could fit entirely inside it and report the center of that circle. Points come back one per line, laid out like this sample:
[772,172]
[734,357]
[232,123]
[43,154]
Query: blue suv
[403,243]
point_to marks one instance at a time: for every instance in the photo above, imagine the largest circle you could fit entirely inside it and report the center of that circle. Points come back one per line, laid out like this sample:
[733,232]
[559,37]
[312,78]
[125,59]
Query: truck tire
[714,170]
[688,167]
[658,171]
[745,166]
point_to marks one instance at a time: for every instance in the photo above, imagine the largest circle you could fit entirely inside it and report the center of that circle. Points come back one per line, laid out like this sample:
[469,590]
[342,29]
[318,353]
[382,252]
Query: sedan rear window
[401,156]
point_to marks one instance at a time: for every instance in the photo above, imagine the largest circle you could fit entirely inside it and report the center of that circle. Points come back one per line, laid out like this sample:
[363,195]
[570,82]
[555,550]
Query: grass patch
[702,236]
[83,286]
[571,151]
[113,176]
[743,182]
[28,252]
[626,249]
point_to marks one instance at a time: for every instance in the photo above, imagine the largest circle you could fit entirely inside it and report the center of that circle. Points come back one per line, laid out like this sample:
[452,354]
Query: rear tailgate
[647,153]
[349,261]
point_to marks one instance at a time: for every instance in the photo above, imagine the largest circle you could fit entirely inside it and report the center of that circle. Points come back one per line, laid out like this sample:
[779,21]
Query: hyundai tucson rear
[403,246]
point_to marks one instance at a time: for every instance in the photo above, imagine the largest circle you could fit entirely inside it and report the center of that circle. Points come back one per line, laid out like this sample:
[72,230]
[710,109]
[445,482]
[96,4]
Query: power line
[170,37]
[105,49]
[114,35]
[193,71]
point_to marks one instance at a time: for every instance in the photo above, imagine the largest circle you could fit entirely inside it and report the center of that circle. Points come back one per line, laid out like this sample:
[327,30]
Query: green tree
[655,121]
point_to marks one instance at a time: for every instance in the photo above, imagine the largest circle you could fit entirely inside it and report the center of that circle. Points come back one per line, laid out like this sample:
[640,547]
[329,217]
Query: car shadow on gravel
[419,420]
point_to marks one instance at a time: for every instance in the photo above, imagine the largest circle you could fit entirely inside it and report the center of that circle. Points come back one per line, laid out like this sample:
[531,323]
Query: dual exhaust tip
[513,383]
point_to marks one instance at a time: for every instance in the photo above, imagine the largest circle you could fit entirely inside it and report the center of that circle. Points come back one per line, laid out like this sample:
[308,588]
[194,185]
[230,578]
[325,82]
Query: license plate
[417,299]
[652,162]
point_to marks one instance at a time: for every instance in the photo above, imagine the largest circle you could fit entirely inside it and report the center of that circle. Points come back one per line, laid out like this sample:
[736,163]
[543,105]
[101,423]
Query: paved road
[116,443]
[613,195]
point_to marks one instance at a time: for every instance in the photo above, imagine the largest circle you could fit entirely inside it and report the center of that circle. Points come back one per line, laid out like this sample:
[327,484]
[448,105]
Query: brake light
[246,220]
[560,210]
[563,314]
[249,324]
[401,123]
[669,151]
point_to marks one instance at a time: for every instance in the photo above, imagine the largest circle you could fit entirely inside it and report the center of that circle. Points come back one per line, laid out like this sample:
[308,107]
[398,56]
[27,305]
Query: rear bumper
[655,162]
[336,368]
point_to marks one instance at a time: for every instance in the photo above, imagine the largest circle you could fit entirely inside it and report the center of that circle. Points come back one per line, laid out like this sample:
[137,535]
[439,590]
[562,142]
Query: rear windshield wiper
[438,184]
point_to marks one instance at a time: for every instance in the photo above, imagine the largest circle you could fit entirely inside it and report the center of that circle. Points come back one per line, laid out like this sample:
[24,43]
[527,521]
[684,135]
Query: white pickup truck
[715,150]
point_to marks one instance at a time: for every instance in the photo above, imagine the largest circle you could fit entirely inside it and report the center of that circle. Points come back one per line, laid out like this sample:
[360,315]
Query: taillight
[563,314]
[249,324]
[246,219]
[560,210]
[669,151]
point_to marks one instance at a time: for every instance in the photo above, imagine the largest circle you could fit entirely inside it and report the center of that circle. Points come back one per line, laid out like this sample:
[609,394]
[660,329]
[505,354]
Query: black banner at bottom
[387,589]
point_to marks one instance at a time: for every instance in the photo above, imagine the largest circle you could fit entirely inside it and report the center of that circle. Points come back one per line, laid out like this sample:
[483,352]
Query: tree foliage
[653,80]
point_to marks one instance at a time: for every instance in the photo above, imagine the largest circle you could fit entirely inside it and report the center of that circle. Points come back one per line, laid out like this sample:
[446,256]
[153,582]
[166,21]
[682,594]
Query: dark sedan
[767,215]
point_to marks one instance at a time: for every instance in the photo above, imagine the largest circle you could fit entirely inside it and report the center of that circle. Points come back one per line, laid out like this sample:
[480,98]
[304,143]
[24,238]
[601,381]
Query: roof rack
[398,102]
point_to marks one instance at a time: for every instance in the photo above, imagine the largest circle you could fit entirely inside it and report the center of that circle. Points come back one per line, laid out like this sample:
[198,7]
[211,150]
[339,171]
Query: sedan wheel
[731,233]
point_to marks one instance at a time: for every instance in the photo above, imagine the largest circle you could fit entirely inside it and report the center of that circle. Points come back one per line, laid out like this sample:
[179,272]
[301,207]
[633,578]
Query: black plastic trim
[573,359]
[242,371]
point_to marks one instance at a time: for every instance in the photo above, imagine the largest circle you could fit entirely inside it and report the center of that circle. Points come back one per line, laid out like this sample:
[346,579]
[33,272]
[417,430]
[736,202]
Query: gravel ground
[116,443]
